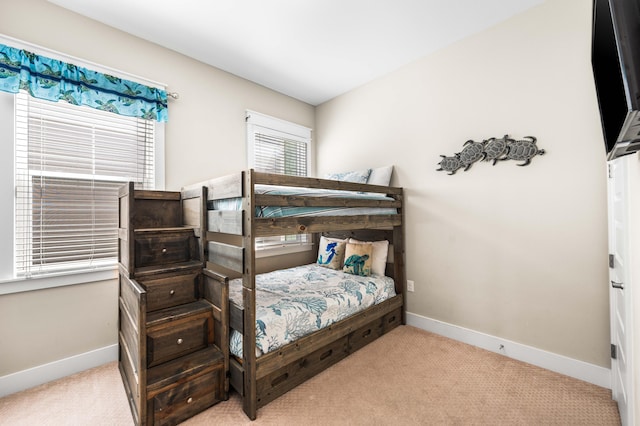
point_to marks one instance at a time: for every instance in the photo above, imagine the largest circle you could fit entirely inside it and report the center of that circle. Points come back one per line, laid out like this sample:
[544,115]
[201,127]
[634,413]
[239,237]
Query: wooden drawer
[364,335]
[392,320]
[154,248]
[171,291]
[156,209]
[187,399]
[285,378]
[177,338]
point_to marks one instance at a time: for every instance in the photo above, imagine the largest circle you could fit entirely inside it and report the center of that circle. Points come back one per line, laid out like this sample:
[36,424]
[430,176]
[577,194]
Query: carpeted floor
[408,377]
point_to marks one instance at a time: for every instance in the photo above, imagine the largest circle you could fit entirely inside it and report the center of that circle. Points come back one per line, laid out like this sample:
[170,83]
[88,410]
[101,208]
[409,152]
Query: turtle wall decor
[492,149]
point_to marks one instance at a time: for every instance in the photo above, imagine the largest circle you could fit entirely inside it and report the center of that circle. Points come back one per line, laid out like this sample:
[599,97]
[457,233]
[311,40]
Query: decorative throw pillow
[357,259]
[331,252]
[380,176]
[356,176]
[378,256]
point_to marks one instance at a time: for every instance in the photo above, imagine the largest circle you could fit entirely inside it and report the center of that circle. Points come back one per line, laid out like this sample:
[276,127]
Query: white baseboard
[560,364]
[35,376]
[581,370]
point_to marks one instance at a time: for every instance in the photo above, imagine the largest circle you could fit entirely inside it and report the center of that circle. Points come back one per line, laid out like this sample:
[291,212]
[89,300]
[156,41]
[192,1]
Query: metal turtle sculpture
[523,150]
[496,149]
[472,152]
[450,164]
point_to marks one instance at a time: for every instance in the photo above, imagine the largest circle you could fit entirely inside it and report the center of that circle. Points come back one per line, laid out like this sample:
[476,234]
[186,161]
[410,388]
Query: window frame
[9,283]
[70,163]
[256,120]
[281,127]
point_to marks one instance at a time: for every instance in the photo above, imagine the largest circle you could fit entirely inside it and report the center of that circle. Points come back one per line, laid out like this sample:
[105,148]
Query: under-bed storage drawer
[391,320]
[364,335]
[185,400]
[172,290]
[153,248]
[287,377]
[374,329]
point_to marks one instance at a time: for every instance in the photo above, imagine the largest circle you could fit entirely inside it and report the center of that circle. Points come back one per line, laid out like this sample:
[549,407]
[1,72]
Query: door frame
[620,275]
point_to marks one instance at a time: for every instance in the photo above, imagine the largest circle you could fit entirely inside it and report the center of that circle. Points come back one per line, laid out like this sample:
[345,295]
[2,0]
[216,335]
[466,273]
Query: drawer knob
[172,292]
[180,341]
[164,250]
[189,400]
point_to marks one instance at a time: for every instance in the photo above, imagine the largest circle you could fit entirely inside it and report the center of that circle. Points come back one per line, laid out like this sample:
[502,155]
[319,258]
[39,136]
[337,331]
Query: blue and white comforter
[290,211]
[292,303]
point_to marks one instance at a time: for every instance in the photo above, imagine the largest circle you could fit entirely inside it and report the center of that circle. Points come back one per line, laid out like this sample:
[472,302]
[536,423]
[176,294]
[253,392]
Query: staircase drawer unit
[171,366]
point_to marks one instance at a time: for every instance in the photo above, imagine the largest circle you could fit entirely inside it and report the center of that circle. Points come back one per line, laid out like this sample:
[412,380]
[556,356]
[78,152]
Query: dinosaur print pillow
[331,252]
[358,259]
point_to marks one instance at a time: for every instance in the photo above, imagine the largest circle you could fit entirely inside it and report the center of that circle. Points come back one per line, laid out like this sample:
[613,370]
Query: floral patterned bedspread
[295,302]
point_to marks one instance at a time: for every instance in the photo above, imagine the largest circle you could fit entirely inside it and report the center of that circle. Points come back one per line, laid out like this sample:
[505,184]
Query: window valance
[54,80]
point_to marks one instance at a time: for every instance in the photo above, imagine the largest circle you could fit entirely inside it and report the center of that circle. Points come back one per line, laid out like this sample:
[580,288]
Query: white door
[619,289]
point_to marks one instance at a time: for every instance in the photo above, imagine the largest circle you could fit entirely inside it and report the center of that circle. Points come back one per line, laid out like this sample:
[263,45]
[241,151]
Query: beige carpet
[408,377]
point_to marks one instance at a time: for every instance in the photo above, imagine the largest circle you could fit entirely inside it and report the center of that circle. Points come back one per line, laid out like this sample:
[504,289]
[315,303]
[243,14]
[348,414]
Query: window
[278,146]
[69,164]
[282,147]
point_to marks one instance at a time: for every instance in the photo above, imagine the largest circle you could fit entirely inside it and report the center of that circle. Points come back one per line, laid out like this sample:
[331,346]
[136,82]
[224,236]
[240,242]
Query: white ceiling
[311,50]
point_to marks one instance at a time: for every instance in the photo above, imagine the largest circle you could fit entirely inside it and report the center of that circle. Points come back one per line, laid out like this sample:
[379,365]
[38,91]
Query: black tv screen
[616,62]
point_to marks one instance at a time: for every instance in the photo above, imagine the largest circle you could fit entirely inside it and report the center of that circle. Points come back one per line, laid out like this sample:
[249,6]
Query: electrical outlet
[410,285]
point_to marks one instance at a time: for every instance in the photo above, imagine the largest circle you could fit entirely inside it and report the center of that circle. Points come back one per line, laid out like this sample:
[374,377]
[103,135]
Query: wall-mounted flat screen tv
[616,65]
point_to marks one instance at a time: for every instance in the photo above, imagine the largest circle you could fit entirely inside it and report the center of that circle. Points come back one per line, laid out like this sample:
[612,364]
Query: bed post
[398,257]
[249,402]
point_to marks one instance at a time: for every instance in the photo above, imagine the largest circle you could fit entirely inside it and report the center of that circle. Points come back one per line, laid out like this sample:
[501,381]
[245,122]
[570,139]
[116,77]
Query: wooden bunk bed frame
[230,249]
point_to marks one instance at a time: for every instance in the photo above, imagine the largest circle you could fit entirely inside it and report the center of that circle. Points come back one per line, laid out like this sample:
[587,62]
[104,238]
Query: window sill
[282,249]
[20,285]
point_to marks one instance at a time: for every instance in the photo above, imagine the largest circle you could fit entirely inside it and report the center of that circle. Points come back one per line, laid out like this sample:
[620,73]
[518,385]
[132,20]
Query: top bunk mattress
[292,303]
[294,211]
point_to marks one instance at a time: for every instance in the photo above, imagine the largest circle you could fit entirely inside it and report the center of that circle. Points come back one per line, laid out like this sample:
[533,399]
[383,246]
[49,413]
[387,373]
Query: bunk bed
[249,205]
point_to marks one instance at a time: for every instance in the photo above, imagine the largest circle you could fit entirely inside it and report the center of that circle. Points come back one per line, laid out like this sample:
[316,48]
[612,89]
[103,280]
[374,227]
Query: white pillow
[379,255]
[380,176]
[356,176]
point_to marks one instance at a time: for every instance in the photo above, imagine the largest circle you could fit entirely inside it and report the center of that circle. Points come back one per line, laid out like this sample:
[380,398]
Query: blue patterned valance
[54,80]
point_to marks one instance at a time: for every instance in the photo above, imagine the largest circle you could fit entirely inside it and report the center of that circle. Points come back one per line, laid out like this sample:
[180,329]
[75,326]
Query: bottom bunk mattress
[292,303]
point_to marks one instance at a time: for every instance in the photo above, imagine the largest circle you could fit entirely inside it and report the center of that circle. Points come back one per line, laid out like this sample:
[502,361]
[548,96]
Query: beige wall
[205,137]
[518,253]
[515,252]
[43,326]
[206,131]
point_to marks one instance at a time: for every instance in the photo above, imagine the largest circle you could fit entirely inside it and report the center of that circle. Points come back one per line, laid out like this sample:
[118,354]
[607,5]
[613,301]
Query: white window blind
[282,147]
[278,146]
[279,154]
[70,162]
